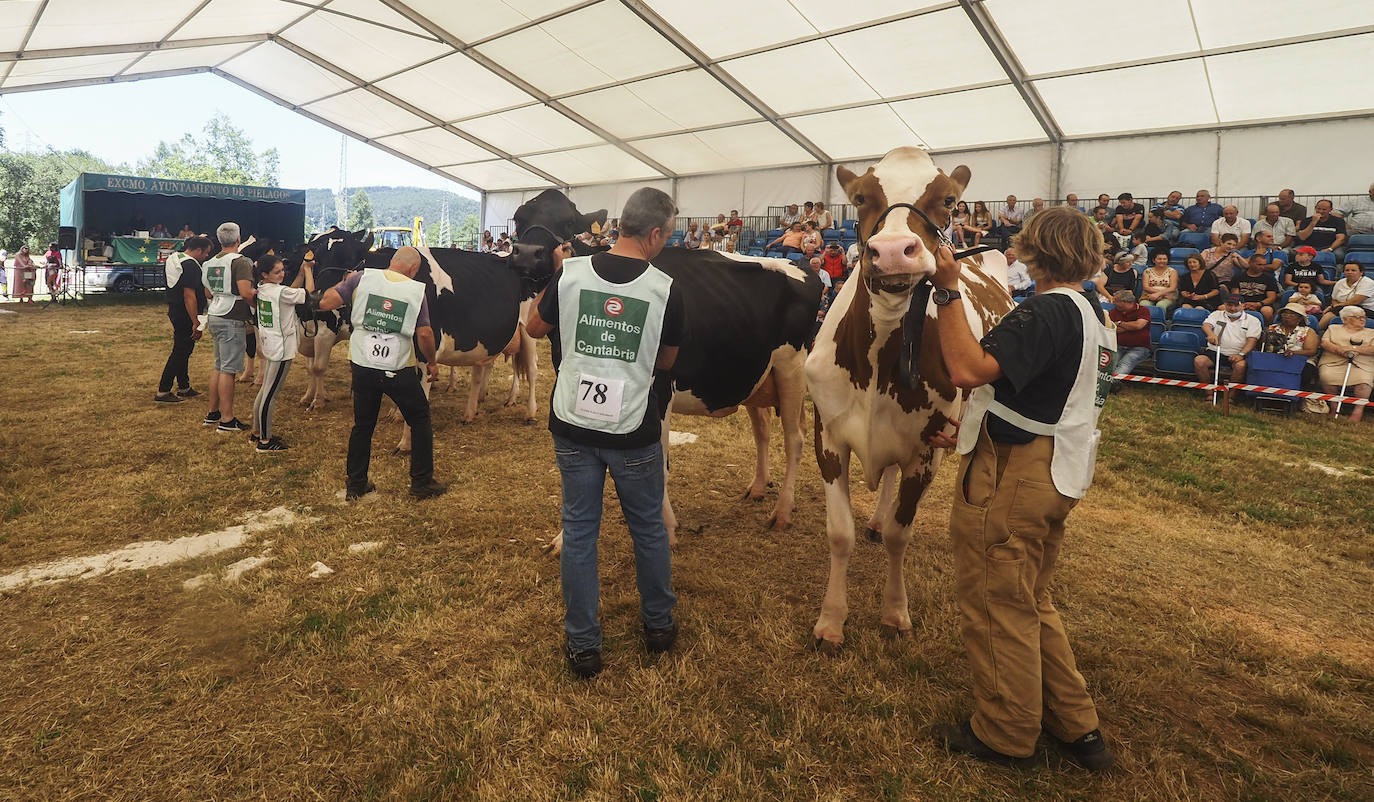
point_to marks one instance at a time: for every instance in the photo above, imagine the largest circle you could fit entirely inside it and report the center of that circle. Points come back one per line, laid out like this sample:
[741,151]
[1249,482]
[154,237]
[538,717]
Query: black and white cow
[335,252]
[749,321]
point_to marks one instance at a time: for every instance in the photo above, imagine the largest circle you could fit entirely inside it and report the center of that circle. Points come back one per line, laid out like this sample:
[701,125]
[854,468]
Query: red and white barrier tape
[1253,388]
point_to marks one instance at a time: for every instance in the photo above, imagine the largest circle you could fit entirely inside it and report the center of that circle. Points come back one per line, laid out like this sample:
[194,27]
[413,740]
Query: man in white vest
[616,320]
[388,310]
[186,300]
[229,278]
[1029,443]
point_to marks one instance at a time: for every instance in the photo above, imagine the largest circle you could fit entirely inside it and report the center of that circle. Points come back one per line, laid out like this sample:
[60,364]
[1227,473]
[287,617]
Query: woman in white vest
[1029,442]
[276,339]
[616,319]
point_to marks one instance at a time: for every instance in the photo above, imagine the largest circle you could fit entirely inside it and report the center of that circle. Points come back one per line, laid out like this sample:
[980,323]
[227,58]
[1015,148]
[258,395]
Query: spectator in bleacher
[1037,205]
[833,261]
[1104,201]
[792,215]
[1160,231]
[808,212]
[1288,208]
[851,255]
[1306,296]
[1139,250]
[980,224]
[1238,338]
[1296,338]
[1323,230]
[1279,227]
[1359,214]
[1132,332]
[1355,289]
[1171,209]
[1018,276]
[823,217]
[721,242]
[1231,222]
[811,239]
[734,223]
[816,265]
[957,221]
[720,226]
[1303,269]
[1121,276]
[1198,287]
[1128,215]
[1348,344]
[1159,283]
[1264,246]
[1223,260]
[1257,287]
[1103,222]
[693,237]
[1201,215]
[1008,221]
[1071,201]
[791,240]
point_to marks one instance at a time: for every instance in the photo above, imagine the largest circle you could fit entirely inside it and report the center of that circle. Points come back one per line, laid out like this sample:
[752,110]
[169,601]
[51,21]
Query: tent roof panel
[366,114]
[454,87]
[1221,23]
[1242,94]
[855,133]
[969,119]
[1080,33]
[1079,102]
[673,102]
[82,23]
[762,74]
[181,57]
[41,71]
[15,23]
[366,50]
[880,56]
[226,18]
[828,15]
[496,16]
[715,25]
[753,145]
[495,175]
[265,65]
[435,146]
[529,130]
[599,164]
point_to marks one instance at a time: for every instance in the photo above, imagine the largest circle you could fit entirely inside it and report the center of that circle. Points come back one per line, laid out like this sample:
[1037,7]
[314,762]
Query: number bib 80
[384,350]
[599,398]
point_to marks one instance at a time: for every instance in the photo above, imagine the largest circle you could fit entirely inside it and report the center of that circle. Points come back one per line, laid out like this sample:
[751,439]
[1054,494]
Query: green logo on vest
[384,314]
[264,313]
[215,275]
[610,326]
[1106,366]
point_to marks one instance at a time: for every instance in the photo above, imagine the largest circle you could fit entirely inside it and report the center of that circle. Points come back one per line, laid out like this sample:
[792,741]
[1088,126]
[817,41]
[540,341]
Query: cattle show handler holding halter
[276,339]
[617,320]
[1029,444]
[388,309]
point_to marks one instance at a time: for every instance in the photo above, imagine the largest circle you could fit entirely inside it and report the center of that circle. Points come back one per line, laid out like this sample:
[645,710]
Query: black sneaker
[166,398]
[211,418]
[189,392]
[585,664]
[430,489]
[273,444]
[1090,751]
[354,493]
[234,425]
[959,738]
[660,640]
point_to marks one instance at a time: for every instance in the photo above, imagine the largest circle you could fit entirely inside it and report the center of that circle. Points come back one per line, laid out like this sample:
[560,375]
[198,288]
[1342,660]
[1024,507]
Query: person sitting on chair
[1237,333]
[1348,346]
[1293,337]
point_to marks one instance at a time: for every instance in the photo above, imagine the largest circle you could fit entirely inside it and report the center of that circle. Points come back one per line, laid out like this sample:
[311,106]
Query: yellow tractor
[399,236]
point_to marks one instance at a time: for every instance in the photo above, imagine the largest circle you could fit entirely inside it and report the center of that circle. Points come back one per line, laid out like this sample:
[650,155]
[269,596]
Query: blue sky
[97,119]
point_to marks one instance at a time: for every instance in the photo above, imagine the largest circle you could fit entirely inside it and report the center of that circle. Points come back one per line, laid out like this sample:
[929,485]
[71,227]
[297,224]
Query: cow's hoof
[752,495]
[893,632]
[825,645]
[531,421]
[873,535]
[779,523]
[398,451]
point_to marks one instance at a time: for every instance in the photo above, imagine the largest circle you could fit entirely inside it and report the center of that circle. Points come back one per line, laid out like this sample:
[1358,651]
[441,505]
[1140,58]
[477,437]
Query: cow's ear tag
[309,256]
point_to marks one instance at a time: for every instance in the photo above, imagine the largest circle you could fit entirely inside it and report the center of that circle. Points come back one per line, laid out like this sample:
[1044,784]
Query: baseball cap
[1233,298]
[1307,249]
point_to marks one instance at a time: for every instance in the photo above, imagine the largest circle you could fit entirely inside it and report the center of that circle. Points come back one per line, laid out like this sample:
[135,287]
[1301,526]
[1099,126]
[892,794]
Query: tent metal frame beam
[987,28]
[184,20]
[415,110]
[520,83]
[131,48]
[23,43]
[315,9]
[110,79]
[694,53]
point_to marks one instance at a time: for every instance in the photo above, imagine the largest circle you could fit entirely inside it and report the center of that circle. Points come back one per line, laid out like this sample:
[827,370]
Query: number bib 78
[599,398]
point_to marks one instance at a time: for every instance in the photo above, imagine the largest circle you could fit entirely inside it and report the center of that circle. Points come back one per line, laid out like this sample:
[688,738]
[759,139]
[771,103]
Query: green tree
[360,211]
[223,153]
[30,184]
[466,234]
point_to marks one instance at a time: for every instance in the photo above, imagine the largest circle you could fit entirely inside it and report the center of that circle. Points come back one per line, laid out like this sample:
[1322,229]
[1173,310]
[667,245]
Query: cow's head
[335,252]
[543,224]
[898,244]
[260,247]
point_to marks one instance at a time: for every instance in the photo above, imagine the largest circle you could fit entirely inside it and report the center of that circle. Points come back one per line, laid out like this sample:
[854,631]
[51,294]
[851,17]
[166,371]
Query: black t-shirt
[617,270]
[1038,346]
[1136,211]
[1205,284]
[1253,289]
[1324,234]
[1310,274]
[190,280]
[1120,281]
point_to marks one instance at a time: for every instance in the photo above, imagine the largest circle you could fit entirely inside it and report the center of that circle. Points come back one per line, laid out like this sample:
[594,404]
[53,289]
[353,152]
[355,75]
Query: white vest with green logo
[218,277]
[384,315]
[610,335]
[277,322]
[173,267]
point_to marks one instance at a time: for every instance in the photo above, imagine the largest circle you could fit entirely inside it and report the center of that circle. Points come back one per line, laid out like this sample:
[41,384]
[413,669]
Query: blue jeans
[1128,358]
[638,477]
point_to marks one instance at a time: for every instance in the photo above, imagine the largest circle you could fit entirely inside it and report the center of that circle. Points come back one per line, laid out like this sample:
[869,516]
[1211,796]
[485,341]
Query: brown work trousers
[1006,527]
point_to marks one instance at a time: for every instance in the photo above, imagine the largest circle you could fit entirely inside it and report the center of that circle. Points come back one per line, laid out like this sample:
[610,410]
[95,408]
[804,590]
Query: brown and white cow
[876,373]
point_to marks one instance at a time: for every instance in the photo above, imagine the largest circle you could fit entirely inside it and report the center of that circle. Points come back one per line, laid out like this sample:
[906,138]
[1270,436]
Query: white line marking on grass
[679,438]
[1349,470]
[150,553]
[365,546]
[90,331]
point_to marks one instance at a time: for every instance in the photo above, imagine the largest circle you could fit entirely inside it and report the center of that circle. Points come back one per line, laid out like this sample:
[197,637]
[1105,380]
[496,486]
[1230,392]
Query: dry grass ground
[1219,602]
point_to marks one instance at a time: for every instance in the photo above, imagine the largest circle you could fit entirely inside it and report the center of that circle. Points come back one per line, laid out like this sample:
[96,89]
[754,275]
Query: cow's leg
[315,397]
[758,421]
[886,492]
[529,358]
[477,391]
[452,379]
[833,460]
[896,529]
[791,387]
[669,519]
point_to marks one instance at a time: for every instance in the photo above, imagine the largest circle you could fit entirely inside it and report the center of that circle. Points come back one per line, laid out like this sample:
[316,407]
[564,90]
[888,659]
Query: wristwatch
[944,297]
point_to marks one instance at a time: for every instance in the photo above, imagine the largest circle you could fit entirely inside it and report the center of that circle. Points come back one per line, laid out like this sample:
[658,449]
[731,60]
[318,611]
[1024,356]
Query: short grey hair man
[646,210]
[227,234]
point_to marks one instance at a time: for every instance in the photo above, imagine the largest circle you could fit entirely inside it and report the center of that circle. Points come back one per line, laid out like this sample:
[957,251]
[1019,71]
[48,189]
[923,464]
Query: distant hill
[394,206]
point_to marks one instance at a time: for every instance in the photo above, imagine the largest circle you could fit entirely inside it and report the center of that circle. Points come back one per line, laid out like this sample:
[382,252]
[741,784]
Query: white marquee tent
[749,103]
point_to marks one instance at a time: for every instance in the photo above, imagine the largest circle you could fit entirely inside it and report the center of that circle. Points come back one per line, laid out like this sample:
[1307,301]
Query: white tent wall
[1331,157]
[764,188]
[706,195]
[1024,172]
[1150,166]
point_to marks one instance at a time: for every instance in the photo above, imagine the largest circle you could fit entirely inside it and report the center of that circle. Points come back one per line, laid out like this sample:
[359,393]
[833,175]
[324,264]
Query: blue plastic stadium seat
[1257,316]
[679,234]
[1365,259]
[1330,273]
[674,242]
[756,252]
[1190,341]
[1326,258]
[1180,254]
[1245,253]
[1156,330]
[774,234]
[1361,242]
[1156,314]
[774,254]
[1195,239]
[831,234]
[796,258]
[849,225]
